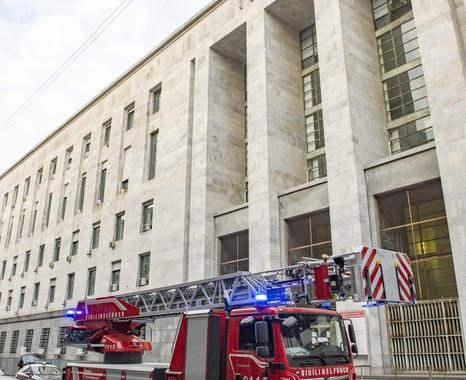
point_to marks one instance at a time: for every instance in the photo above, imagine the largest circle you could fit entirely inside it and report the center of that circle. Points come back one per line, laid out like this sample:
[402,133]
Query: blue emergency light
[273,297]
[72,312]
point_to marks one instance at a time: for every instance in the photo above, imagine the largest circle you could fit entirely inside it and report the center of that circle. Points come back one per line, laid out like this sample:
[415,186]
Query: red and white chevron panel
[371,265]
[405,278]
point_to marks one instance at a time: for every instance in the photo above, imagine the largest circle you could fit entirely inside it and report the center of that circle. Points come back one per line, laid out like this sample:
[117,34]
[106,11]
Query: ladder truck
[275,325]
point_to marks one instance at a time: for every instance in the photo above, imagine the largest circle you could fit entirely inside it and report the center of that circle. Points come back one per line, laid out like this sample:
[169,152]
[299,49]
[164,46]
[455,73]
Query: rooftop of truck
[281,309]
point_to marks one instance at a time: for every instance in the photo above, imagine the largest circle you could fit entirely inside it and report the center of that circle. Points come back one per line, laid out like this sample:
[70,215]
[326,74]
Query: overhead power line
[68,62]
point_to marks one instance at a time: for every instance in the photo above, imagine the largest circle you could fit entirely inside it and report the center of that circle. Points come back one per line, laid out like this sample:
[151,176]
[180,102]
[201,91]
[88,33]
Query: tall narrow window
[52,286]
[44,338]
[3,269]
[86,145]
[40,256]
[22,294]
[153,154]
[62,331]
[2,341]
[95,235]
[127,155]
[316,167]
[234,254]
[53,168]
[35,294]
[14,342]
[15,196]
[309,54]
[34,218]
[39,175]
[27,183]
[47,210]
[156,96]
[28,340]
[119,226]
[9,300]
[115,276]
[147,212]
[14,266]
[130,117]
[27,259]
[82,191]
[21,224]
[9,231]
[5,200]
[106,129]
[64,201]
[91,281]
[102,181]
[70,286]
[68,157]
[56,249]
[144,269]
[74,243]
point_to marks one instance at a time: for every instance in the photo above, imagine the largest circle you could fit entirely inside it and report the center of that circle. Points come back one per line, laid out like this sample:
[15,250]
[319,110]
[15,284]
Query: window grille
[61,339]
[28,339]
[14,342]
[44,338]
[2,341]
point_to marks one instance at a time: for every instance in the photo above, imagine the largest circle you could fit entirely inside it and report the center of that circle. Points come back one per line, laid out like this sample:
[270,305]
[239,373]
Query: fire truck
[274,325]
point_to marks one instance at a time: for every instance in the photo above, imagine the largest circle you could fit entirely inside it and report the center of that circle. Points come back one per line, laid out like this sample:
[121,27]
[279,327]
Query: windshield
[32,358]
[314,340]
[46,371]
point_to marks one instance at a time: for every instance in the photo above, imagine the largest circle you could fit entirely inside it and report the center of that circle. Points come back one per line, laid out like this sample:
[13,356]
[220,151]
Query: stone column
[276,141]
[443,59]
[354,127]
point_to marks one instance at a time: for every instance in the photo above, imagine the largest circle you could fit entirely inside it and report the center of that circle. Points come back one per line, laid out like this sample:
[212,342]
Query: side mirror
[354,348]
[263,351]
[351,333]
[289,322]
[262,333]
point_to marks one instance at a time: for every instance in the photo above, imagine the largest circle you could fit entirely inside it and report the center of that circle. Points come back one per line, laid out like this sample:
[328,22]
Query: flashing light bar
[71,313]
[273,297]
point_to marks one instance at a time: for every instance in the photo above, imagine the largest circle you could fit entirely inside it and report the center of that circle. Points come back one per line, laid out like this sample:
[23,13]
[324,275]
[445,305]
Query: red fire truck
[274,325]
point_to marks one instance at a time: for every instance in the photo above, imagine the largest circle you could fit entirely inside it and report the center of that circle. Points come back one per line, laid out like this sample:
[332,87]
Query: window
[86,145]
[414,221]
[53,168]
[312,95]
[107,128]
[411,135]
[56,250]
[34,217]
[27,183]
[3,269]
[70,286]
[9,300]
[102,180]
[315,131]
[40,256]
[14,342]
[39,176]
[316,167]
[68,157]
[309,236]
[27,259]
[82,192]
[308,39]
[5,200]
[13,267]
[47,210]
[387,11]
[44,338]
[2,341]
[22,294]
[398,46]
[15,196]
[247,337]
[52,287]
[21,224]
[115,276]
[144,269]
[156,96]
[147,212]
[9,231]
[74,243]
[119,226]
[130,117]
[127,155]
[405,93]
[234,253]
[62,331]
[28,339]
[153,154]
[64,201]
[90,281]
[95,235]
[35,294]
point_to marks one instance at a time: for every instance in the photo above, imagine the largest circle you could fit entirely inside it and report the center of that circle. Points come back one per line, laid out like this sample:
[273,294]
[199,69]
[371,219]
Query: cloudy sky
[37,37]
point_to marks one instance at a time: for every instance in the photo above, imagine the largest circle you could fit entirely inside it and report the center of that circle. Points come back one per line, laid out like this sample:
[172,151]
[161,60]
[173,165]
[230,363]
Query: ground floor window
[309,236]
[234,253]
[414,221]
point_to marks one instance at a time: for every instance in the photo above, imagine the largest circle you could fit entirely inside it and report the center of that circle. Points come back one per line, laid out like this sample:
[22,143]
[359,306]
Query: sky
[38,36]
